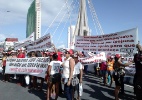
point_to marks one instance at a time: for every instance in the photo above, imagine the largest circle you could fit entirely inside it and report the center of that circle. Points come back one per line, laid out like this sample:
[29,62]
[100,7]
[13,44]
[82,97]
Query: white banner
[124,42]
[26,42]
[40,44]
[93,59]
[31,66]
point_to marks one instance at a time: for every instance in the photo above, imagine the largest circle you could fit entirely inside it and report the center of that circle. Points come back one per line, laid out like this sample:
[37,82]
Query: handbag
[120,71]
[74,81]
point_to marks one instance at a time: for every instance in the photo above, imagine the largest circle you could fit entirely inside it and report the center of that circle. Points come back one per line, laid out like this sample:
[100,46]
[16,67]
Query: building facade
[34,19]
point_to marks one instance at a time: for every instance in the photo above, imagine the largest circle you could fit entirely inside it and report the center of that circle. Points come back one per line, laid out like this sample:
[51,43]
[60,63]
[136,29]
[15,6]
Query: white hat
[111,56]
[22,48]
[13,51]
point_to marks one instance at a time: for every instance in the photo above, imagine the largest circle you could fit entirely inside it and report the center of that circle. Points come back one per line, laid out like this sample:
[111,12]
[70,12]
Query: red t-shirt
[103,66]
[59,56]
[21,55]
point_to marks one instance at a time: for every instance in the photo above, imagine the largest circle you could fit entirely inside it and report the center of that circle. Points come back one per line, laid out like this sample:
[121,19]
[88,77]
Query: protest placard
[40,44]
[93,59]
[25,42]
[124,42]
[31,66]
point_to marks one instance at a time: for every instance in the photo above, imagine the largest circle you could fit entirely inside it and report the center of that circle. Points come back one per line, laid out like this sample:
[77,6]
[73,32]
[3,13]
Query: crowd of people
[65,68]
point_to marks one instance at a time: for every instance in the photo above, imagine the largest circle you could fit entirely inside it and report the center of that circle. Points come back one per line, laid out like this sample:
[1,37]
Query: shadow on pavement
[101,92]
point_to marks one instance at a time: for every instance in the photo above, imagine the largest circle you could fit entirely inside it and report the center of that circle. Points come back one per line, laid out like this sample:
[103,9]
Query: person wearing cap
[13,54]
[21,80]
[119,72]
[110,70]
[78,71]
[20,54]
[68,68]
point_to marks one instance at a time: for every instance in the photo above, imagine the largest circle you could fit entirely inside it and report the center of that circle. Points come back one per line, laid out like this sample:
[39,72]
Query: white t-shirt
[66,68]
[77,68]
[55,67]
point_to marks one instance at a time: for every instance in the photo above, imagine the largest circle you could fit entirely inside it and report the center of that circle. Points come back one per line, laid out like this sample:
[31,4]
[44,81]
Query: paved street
[93,90]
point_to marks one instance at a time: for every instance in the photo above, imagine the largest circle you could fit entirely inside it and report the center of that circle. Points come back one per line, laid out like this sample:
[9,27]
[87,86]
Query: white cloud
[4,36]
[19,8]
[14,12]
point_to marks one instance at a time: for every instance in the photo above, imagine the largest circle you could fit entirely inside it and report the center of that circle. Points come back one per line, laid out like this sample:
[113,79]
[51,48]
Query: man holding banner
[21,77]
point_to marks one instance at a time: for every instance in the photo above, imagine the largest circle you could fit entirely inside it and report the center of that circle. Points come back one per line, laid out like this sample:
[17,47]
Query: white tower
[70,36]
[82,28]
[38,19]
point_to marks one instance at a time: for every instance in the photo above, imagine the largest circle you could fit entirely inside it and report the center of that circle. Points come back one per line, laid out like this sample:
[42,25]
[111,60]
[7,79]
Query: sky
[113,15]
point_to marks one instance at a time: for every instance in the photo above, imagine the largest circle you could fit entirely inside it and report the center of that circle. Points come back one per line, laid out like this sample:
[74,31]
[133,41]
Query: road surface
[93,90]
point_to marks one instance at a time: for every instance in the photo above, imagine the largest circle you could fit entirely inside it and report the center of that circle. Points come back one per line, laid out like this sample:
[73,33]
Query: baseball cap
[117,55]
[69,52]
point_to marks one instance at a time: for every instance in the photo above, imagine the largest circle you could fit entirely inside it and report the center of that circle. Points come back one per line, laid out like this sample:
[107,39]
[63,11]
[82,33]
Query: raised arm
[56,51]
[124,65]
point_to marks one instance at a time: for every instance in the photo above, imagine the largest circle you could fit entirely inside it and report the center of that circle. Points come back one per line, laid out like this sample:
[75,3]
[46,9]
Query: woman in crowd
[103,69]
[34,78]
[68,68]
[78,71]
[21,80]
[110,70]
[118,73]
[4,65]
[14,55]
[54,76]
[39,54]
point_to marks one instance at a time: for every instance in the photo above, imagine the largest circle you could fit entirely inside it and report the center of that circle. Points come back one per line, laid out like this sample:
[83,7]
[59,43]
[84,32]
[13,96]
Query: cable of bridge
[55,18]
[66,22]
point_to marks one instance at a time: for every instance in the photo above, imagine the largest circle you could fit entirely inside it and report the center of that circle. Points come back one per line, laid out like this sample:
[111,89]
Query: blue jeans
[103,73]
[86,69]
[68,90]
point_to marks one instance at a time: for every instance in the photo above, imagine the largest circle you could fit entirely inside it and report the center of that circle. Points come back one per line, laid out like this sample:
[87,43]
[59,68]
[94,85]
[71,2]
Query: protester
[122,78]
[68,68]
[138,75]
[14,55]
[39,54]
[119,73]
[54,78]
[4,65]
[21,80]
[78,72]
[110,70]
[34,78]
[103,69]
[85,66]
